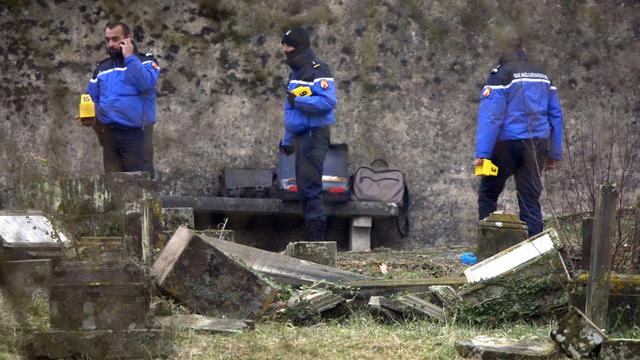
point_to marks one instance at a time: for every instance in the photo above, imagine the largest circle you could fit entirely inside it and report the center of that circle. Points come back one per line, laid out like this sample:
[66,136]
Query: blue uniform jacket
[124,90]
[309,111]
[519,102]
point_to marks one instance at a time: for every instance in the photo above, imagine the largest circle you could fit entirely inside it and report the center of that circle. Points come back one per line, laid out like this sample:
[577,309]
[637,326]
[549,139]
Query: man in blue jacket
[123,87]
[520,129]
[308,115]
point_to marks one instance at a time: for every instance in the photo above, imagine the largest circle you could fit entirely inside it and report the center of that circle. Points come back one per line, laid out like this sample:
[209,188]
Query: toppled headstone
[319,252]
[207,281]
[483,347]
[445,296]
[524,281]
[577,336]
[101,344]
[98,296]
[29,235]
[205,323]
[615,349]
[406,306]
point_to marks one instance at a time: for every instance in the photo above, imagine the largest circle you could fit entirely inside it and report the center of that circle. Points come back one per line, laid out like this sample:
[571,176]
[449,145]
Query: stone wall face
[409,77]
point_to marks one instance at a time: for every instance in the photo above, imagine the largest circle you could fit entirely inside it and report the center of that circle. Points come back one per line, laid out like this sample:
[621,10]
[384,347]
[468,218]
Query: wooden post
[601,255]
[587,239]
[635,242]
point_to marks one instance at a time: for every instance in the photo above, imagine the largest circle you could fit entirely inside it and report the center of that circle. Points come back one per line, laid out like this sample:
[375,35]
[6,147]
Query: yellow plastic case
[302,91]
[486,169]
[87,107]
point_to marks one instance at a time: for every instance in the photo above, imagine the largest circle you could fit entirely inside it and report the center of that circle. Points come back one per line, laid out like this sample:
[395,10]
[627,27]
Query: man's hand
[288,149]
[127,48]
[89,122]
[550,164]
[478,161]
[291,97]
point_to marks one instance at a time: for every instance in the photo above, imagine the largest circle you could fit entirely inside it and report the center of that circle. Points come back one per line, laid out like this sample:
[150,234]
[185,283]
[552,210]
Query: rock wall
[409,74]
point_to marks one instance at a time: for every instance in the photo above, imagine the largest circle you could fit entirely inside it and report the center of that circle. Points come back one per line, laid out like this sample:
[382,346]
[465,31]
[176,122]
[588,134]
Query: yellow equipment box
[87,107]
[302,91]
[486,169]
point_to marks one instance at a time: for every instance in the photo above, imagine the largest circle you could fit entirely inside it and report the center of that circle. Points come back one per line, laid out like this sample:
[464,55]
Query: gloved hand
[291,97]
[288,149]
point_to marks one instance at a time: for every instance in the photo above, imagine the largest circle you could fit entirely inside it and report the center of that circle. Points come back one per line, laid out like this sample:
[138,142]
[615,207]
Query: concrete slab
[492,348]
[205,324]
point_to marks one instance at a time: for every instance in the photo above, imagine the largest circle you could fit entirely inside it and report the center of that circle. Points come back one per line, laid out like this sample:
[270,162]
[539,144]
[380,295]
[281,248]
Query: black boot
[315,230]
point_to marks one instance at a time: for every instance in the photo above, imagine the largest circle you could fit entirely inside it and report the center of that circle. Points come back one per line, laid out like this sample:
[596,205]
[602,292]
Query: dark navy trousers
[122,148]
[524,159]
[311,149]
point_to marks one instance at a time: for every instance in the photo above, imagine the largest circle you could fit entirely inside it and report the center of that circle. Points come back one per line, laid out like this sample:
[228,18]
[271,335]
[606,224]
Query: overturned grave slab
[526,280]
[387,287]
[615,349]
[205,324]
[207,281]
[282,268]
[489,348]
[577,336]
[101,344]
[446,296]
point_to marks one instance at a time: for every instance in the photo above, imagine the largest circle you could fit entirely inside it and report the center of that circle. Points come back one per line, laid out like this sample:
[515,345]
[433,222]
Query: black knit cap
[296,37]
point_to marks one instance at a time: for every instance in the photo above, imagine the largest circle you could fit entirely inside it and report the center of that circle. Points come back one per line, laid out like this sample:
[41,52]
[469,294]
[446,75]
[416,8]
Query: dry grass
[358,337]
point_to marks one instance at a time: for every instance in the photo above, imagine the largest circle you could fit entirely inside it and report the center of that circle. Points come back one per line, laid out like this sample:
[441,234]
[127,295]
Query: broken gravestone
[319,252]
[524,281]
[406,306]
[577,336]
[615,349]
[207,281]
[310,305]
[490,348]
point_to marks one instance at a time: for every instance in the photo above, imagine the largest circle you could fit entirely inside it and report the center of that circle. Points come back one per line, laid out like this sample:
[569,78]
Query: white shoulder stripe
[110,70]
[518,81]
[310,83]
[151,62]
[93,80]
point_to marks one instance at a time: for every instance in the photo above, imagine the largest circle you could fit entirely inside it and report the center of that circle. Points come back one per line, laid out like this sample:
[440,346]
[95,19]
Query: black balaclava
[299,39]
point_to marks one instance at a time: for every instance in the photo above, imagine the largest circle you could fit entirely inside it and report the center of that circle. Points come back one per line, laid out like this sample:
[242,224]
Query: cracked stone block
[207,281]
[577,335]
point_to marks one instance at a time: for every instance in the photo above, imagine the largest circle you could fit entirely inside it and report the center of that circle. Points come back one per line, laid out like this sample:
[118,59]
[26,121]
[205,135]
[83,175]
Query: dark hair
[115,24]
